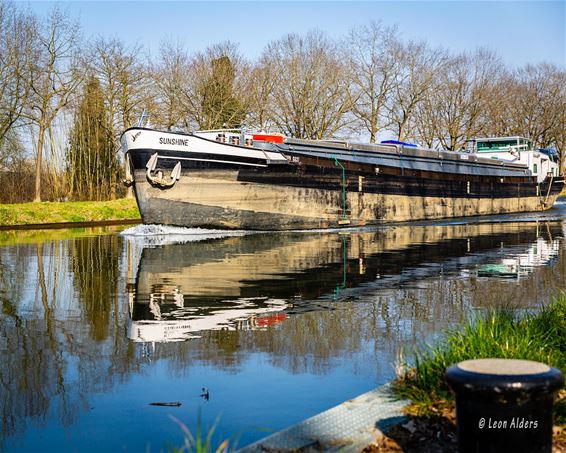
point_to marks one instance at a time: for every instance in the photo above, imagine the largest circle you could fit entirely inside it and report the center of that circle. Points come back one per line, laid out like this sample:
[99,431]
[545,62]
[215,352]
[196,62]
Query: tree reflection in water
[311,303]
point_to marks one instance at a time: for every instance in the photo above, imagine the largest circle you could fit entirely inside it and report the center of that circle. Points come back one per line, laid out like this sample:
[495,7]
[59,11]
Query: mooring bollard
[504,405]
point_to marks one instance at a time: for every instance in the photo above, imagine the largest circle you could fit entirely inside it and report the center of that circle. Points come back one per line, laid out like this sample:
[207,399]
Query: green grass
[71,211]
[501,334]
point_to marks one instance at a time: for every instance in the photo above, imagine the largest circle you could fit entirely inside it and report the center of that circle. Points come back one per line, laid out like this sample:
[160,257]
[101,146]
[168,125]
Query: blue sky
[520,31]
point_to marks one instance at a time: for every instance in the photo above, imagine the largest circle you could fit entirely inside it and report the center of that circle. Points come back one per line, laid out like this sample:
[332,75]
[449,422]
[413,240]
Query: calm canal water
[98,323]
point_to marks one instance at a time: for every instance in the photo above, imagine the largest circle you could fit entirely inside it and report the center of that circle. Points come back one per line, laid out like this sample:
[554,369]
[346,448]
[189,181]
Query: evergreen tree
[92,163]
[220,108]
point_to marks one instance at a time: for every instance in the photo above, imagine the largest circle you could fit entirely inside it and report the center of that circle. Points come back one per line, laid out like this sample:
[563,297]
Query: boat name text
[173,141]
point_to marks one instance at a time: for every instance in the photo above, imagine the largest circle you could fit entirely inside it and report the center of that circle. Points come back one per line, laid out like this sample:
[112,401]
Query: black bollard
[504,405]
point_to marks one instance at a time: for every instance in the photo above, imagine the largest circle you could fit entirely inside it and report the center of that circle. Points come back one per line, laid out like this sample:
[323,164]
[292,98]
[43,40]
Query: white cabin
[238,137]
[541,163]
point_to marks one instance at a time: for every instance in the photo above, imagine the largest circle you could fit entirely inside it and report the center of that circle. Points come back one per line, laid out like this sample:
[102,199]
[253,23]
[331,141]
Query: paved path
[347,427]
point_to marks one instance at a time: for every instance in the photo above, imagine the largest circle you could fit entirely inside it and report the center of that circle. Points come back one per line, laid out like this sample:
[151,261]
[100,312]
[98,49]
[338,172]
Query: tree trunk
[401,132]
[372,135]
[40,138]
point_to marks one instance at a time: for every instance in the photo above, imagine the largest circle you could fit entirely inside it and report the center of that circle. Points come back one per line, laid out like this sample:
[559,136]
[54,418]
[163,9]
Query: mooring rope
[548,191]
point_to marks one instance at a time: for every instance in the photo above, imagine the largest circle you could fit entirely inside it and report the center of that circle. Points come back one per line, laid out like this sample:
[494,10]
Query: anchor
[155,177]
[129,178]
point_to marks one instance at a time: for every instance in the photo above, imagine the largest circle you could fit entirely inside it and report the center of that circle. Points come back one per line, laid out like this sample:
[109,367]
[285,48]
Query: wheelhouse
[542,163]
[504,144]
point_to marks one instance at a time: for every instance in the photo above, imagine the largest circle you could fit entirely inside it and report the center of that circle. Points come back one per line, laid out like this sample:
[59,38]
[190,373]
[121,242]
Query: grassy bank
[502,334]
[68,212]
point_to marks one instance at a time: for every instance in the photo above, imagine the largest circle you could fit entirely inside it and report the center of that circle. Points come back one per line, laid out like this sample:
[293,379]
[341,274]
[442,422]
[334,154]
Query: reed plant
[202,439]
[539,336]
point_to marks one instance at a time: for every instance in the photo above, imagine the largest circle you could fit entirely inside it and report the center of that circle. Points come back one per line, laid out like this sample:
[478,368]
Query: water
[98,323]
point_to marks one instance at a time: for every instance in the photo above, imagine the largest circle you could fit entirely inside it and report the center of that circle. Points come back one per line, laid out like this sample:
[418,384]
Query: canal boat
[229,179]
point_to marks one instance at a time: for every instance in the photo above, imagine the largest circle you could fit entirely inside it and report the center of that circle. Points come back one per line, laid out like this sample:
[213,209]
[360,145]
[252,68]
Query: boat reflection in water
[185,288]
[519,266]
[255,281]
[162,320]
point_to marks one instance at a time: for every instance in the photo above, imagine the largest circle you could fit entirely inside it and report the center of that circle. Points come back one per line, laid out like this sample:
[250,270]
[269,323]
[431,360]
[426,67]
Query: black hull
[322,174]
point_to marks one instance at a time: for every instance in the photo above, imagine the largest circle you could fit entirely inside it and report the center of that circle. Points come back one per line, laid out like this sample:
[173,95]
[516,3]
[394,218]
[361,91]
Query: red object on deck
[273,138]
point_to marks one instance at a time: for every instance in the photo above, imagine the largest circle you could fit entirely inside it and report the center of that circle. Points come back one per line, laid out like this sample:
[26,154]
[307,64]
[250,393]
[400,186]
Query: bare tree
[170,75]
[458,104]
[55,78]
[539,102]
[499,106]
[558,132]
[310,94]
[124,80]
[372,55]
[262,82]
[16,57]
[531,102]
[415,81]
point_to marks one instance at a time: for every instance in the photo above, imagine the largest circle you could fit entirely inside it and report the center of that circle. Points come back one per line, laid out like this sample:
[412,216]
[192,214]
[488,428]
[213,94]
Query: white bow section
[168,141]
